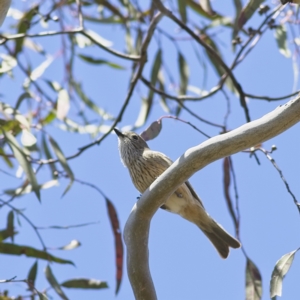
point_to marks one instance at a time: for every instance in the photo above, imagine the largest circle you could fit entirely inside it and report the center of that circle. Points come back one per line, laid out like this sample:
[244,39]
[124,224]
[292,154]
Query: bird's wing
[189,186]
[166,162]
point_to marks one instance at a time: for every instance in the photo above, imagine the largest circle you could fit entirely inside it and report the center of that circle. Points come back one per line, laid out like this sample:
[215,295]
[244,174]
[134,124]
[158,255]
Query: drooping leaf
[13,249]
[21,157]
[21,98]
[84,283]
[182,10]
[23,26]
[281,39]
[10,225]
[184,74]
[114,221]
[3,11]
[90,103]
[206,12]
[32,275]
[147,103]
[96,61]
[53,282]
[215,63]
[226,183]
[253,282]
[63,104]
[64,163]
[280,270]
[152,131]
[246,13]
[49,157]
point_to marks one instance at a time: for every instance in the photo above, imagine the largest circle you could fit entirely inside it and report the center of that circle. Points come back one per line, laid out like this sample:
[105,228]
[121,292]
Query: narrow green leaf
[53,282]
[21,98]
[245,15]
[281,39]
[23,26]
[182,10]
[21,158]
[90,103]
[96,61]
[48,155]
[13,249]
[62,159]
[84,283]
[147,103]
[32,274]
[253,282]
[280,270]
[184,74]
[10,224]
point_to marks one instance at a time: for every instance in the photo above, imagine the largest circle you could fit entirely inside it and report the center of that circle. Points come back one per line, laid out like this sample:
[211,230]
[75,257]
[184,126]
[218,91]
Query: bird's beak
[118,133]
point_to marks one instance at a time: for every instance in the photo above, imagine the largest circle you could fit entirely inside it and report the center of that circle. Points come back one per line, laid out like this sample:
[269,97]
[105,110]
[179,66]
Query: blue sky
[183,263]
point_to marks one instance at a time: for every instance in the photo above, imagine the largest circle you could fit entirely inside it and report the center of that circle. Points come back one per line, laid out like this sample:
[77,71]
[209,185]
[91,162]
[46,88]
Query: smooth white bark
[136,230]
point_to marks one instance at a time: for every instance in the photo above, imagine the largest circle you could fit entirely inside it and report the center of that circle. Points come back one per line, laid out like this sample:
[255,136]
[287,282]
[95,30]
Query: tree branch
[136,231]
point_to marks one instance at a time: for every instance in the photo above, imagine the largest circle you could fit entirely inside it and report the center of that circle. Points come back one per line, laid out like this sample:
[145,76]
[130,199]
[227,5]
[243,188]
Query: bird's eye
[135,137]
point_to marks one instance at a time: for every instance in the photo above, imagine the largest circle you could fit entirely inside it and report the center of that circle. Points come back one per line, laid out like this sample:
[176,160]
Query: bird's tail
[219,237]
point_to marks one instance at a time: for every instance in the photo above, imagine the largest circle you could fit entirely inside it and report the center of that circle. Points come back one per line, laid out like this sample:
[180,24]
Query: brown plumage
[146,165]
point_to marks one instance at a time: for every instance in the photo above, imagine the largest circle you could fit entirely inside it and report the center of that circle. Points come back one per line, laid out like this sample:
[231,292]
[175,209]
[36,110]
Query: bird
[145,165]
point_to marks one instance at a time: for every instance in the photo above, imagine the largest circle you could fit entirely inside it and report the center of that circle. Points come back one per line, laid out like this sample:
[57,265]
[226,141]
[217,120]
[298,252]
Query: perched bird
[146,165]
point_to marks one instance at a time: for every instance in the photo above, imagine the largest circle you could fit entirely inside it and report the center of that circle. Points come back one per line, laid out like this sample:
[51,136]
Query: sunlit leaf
[60,156]
[253,282]
[63,104]
[84,283]
[280,270]
[96,61]
[202,10]
[38,71]
[13,249]
[97,38]
[8,63]
[53,282]
[27,138]
[114,221]
[72,245]
[21,157]
[281,39]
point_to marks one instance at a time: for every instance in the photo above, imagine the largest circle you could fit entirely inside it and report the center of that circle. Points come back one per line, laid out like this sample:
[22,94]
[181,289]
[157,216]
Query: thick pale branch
[194,159]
